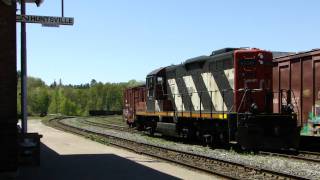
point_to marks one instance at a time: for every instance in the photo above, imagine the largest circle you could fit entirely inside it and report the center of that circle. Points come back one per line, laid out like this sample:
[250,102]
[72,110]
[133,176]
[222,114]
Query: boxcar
[300,72]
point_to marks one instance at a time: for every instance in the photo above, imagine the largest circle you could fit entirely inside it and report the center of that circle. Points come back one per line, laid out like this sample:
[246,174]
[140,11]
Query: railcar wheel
[223,140]
[151,131]
[207,140]
[140,126]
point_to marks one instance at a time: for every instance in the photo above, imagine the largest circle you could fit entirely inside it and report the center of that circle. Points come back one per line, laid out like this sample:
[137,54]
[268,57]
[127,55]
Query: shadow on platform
[87,167]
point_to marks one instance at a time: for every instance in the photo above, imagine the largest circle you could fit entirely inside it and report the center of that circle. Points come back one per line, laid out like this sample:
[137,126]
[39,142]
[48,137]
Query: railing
[244,96]
[200,95]
[247,93]
[288,101]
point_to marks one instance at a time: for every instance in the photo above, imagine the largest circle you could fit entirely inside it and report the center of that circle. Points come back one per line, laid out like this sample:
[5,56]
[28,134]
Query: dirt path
[66,156]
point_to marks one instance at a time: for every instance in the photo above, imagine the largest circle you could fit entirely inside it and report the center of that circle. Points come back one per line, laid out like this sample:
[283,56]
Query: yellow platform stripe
[184,114]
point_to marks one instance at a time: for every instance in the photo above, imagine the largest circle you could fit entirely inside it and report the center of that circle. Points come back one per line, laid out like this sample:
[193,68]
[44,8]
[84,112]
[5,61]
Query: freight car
[224,98]
[301,73]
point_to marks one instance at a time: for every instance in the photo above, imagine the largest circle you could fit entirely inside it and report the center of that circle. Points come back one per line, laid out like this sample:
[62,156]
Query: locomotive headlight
[260,55]
[254,108]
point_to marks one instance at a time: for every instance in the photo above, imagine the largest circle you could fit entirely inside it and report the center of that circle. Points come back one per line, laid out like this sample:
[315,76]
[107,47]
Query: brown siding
[275,86]
[307,94]
[296,87]
[134,100]
[301,74]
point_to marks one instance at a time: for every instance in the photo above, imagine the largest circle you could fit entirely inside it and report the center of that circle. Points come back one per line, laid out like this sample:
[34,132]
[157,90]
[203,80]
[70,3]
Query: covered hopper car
[224,98]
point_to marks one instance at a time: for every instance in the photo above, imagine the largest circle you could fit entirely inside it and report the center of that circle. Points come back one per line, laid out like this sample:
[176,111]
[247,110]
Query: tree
[73,99]
[93,82]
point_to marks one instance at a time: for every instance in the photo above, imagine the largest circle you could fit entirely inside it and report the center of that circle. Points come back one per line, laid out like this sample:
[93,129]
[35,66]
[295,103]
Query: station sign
[47,20]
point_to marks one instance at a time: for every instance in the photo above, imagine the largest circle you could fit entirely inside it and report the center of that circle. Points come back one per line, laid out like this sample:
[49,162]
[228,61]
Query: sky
[120,40]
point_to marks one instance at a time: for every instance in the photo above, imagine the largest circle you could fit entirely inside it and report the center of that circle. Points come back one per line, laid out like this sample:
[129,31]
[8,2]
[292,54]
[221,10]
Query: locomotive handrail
[243,98]
[252,90]
[223,92]
[290,100]
[295,101]
[200,101]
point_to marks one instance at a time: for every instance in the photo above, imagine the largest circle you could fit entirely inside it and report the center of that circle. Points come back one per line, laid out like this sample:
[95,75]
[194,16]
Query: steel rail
[208,164]
[302,155]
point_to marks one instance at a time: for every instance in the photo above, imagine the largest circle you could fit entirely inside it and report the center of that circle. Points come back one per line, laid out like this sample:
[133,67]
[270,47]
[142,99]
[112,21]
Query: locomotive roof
[196,59]
[224,50]
[156,71]
[296,55]
[203,58]
[277,54]
[199,59]
[215,53]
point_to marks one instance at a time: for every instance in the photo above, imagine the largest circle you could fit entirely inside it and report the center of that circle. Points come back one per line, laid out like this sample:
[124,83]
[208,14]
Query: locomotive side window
[150,86]
[150,82]
[159,80]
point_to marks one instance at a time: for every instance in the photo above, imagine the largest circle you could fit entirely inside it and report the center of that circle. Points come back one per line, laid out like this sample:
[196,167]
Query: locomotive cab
[157,91]
[155,87]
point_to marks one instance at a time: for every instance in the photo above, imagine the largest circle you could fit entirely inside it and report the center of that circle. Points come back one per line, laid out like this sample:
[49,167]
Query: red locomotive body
[253,71]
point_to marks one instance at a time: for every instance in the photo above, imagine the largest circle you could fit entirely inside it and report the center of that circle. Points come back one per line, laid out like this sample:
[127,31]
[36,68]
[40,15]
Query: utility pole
[24,110]
[62,8]
[33,19]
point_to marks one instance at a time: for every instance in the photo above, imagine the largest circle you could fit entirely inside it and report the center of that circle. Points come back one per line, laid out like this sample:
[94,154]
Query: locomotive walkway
[67,156]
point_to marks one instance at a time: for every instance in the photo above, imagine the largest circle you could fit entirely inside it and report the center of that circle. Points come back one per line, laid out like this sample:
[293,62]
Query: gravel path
[296,167]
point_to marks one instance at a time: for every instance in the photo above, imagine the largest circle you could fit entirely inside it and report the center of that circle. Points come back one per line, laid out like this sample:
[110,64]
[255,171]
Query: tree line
[74,100]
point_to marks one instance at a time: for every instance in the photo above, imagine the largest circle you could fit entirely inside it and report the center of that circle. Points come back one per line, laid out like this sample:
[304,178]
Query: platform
[66,156]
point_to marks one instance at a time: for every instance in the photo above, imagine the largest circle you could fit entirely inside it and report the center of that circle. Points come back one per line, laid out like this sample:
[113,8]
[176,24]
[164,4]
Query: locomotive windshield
[150,82]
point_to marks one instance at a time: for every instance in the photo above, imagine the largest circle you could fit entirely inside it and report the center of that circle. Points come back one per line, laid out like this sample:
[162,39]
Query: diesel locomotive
[222,99]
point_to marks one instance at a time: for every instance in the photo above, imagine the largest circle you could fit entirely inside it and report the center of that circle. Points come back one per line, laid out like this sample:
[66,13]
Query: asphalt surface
[66,156]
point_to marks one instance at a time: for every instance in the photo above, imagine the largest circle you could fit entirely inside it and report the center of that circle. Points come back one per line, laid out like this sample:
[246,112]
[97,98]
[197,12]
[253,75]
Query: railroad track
[104,125]
[302,155]
[208,164]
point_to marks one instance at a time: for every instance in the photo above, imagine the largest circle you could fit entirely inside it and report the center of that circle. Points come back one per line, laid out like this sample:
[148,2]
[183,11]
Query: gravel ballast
[305,169]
